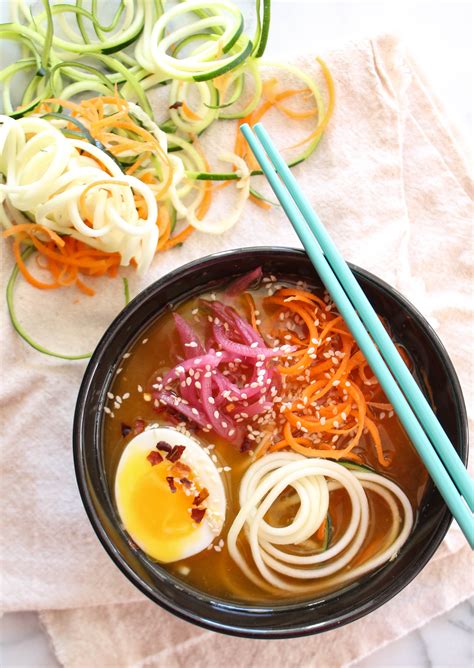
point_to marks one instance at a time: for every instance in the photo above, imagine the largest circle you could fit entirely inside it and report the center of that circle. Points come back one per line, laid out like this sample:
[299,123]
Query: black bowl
[435,371]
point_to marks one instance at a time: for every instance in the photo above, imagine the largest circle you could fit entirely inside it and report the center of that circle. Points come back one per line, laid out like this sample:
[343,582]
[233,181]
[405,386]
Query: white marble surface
[439,35]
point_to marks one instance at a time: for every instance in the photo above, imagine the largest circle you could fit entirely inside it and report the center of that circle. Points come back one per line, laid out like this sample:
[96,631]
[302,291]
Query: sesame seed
[147,397]
[126,395]
[107,410]
[126,356]
[145,341]
[110,395]
[140,388]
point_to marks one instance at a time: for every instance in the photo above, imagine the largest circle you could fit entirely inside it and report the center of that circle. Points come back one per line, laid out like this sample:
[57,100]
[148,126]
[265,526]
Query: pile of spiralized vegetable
[61,182]
[104,174]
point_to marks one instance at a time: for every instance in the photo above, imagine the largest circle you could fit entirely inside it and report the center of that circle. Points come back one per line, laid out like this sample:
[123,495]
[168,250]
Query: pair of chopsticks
[414,412]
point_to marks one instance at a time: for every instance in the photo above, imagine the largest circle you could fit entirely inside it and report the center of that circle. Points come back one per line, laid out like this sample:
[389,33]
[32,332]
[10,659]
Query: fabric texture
[389,182]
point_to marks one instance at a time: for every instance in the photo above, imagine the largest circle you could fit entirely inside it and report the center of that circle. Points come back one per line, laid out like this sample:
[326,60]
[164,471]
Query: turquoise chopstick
[401,406]
[368,316]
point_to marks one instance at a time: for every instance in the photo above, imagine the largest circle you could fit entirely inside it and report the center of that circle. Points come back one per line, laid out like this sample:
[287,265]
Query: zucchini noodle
[185,118]
[222,224]
[313,480]
[59,181]
[209,59]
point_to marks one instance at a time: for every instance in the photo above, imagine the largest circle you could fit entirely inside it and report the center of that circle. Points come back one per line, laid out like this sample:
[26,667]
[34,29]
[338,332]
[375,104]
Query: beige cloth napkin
[390,183]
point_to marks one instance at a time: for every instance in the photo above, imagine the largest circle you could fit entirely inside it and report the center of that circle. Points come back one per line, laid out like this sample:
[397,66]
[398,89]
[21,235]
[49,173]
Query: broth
[214,572]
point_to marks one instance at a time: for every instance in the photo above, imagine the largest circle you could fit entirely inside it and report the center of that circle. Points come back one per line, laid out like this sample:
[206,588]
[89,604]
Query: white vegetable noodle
[59,183]
[221,224]
[312,480]
[209,57]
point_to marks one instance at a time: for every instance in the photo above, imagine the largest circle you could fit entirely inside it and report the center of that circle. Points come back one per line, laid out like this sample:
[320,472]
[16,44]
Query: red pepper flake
[163,446]
[154,457]
[138,426]
[176,105]
[176,453]
[180,469]
[202,496]
[125,428]
[197,514]
[246,445]
[185,482]
[170,481]
[173,416]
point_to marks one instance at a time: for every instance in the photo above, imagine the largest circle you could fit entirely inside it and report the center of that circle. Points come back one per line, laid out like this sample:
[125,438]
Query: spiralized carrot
[276,99]
[331,400]
[323,123]
[187,111]
[64,257]
[252,309]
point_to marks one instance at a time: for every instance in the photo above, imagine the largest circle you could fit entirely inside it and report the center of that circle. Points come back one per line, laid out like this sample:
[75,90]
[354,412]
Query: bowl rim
[385,595]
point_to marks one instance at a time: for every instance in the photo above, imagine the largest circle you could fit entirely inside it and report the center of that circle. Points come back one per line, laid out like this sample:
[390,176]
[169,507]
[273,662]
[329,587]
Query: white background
[439,35]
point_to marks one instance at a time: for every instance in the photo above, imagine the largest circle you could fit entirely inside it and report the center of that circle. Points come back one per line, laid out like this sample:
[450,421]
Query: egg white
[204,471]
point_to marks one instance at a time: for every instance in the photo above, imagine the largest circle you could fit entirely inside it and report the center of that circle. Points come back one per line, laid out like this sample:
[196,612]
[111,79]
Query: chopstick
[418,419]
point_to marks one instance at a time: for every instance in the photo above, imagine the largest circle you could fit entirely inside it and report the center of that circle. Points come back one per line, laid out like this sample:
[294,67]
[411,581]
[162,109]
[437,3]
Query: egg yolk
[158,519]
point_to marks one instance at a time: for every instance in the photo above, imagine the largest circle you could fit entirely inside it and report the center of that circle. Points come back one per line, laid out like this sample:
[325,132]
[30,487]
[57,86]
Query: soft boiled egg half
[169,494]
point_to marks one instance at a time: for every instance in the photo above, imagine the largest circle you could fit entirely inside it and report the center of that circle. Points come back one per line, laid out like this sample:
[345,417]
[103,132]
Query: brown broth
[215,572]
